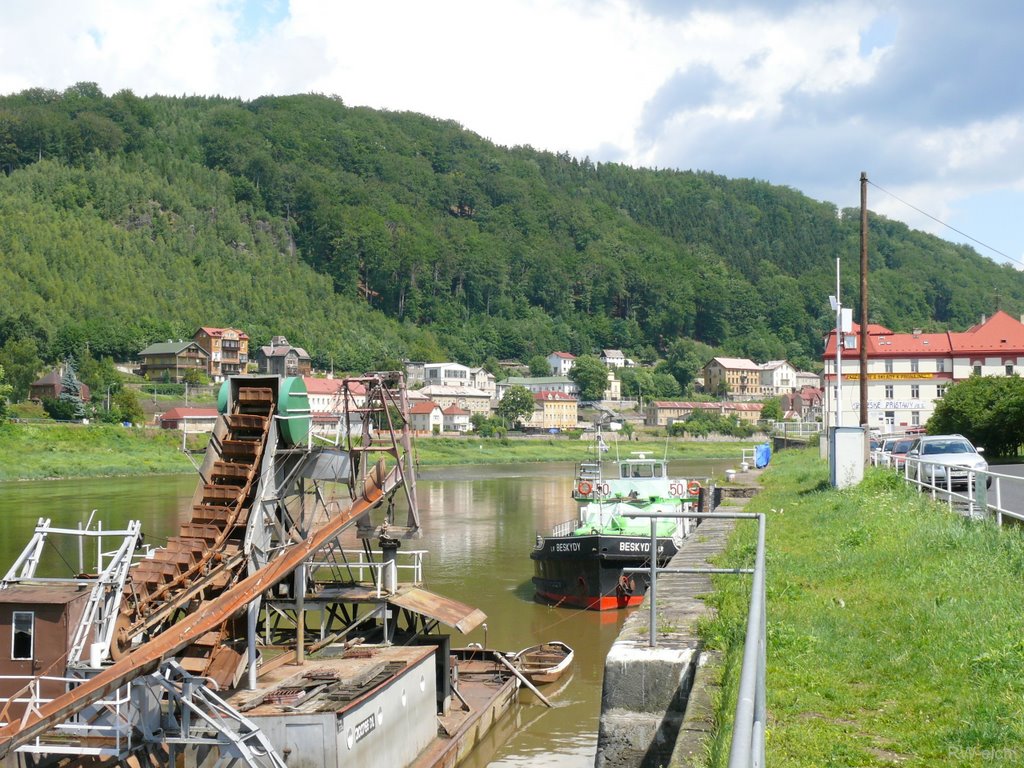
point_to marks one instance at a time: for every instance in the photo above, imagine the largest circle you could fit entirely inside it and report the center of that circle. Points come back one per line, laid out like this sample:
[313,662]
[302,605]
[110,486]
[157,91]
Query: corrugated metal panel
[452,613]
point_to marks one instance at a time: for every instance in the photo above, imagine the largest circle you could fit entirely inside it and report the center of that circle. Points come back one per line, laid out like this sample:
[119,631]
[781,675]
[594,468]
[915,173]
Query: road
[1011,491]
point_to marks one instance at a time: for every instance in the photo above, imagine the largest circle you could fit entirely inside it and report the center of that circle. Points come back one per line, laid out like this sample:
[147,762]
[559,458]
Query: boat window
[21,635]
[658,470]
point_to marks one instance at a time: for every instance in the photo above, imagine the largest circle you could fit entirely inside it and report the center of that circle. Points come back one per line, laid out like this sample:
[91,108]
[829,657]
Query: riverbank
[894,625]
[38,451]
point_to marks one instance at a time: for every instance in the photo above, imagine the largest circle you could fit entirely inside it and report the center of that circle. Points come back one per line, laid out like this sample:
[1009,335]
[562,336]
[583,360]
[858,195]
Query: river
[480,523]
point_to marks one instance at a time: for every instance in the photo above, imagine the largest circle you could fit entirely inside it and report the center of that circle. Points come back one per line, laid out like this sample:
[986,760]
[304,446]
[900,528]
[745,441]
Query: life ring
[584,488]
[693,488]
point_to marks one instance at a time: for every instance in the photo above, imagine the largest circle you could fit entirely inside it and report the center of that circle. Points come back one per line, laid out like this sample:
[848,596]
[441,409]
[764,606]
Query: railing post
[653,589]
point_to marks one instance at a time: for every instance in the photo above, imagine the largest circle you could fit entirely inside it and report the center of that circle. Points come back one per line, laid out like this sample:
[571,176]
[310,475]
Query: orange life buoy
[693,488]
[584,488]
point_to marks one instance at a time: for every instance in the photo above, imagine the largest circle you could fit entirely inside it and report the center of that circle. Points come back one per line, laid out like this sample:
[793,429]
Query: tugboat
[580,563]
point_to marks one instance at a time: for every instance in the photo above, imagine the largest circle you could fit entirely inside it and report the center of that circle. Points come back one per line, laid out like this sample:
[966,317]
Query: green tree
[516,405]
[20,359]
[771,409]
[539,366]
[71,392]
[126,404]
[5,393]
[987,410]
[591,376]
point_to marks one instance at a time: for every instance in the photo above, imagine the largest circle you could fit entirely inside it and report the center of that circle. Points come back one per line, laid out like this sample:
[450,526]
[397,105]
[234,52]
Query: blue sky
[926,97]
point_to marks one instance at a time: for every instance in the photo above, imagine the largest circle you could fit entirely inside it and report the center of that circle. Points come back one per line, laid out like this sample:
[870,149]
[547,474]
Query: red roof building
[909,372]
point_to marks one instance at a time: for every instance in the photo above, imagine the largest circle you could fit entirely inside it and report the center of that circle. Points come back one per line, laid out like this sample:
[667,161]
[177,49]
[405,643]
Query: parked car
[896,448]
[940,454]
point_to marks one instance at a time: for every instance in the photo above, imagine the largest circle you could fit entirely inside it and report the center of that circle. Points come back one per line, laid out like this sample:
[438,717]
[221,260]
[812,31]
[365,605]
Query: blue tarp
[762,455]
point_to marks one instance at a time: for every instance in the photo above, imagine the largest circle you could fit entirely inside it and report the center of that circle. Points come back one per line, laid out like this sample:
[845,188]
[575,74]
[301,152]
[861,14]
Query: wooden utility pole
[864,312]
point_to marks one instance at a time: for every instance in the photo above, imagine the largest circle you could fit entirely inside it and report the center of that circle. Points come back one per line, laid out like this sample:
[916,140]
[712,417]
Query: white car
[939,454]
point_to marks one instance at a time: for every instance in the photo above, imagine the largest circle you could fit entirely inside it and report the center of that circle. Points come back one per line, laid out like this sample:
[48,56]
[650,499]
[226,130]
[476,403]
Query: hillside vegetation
[368,237]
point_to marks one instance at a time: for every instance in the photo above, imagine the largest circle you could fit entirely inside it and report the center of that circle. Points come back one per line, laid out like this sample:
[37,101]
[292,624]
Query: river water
[480,523]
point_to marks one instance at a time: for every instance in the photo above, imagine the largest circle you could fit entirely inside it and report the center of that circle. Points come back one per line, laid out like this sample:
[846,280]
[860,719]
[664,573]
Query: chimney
[983,319]
[917,333]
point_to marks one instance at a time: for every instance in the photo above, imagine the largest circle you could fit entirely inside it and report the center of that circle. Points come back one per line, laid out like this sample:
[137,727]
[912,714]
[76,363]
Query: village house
[537,384]
[908,373]
[228,350]
[778,377]
[171,360]
[456,419]
[469,398]
[561,363]
[553,411]
[425,418]
[446,374]
[733,377]
[482,379]
[661,413]
[805,405]
[49,386]
[281,358]
[613,358]
[189,419]
[327,404]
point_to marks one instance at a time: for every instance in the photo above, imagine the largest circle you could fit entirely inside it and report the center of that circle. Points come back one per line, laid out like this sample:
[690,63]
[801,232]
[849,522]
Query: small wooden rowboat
[544,663]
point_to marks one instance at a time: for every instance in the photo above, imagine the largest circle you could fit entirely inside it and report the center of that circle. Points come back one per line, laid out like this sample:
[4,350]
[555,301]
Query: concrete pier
[656,702]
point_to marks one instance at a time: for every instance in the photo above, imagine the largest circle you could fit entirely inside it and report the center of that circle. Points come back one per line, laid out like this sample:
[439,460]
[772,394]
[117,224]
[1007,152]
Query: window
[1009,370]
[913,366]
[888,366]
[21,634]
[940,366]
[915,391]
[888,391]
[940,391]
[915,418]
[977,369]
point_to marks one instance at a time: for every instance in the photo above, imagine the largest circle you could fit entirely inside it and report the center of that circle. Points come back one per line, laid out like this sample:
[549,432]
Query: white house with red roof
[456,419]
[327,403]
[189,419]
[909,372]
[426,417]
[561,363]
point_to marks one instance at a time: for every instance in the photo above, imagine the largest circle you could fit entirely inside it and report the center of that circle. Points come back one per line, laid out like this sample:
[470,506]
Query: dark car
[896,449]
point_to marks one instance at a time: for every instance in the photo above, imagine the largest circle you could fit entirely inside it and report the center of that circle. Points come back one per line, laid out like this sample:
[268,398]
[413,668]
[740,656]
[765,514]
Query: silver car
[939,454]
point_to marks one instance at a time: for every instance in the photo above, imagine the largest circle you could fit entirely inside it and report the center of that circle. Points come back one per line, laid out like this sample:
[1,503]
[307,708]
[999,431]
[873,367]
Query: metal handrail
[750,718]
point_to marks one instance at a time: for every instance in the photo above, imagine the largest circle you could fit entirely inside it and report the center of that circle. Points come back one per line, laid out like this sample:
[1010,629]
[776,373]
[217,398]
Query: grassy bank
[44,450]
[895,630]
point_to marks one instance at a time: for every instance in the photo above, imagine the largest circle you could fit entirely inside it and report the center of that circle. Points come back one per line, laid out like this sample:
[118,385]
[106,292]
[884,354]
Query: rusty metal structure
[258,554]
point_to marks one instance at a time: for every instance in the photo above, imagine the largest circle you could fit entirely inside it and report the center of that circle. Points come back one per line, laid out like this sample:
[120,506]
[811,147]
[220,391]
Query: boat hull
[586,571]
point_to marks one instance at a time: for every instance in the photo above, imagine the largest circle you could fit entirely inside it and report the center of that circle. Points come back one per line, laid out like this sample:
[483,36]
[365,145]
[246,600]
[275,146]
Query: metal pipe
[652,634]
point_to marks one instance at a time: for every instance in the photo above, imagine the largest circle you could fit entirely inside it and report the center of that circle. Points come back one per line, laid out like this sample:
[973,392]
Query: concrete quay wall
[656,702]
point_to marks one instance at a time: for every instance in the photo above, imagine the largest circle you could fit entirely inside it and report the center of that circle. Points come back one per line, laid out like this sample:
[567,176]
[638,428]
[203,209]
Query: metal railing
[748,730]
[982,491]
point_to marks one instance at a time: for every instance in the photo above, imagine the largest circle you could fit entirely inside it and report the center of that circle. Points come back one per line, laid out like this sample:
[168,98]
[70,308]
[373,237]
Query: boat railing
[564,529]
[110,736]
[367,569]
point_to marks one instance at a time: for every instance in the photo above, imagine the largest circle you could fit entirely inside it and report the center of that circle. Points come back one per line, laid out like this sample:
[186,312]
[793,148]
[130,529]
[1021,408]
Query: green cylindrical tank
[293,410]
[223,394]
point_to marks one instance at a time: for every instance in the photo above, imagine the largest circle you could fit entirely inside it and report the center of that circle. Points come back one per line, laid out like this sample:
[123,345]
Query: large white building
[909,372]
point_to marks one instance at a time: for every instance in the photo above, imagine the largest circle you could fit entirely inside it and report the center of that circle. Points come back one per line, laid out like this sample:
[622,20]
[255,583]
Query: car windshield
[947,446]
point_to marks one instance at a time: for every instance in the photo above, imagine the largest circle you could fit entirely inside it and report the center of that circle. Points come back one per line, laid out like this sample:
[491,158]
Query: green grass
[38,451]
[33,451]
[895,628]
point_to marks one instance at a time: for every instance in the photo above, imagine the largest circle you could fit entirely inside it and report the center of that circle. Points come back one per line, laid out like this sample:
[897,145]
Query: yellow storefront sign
[890,376]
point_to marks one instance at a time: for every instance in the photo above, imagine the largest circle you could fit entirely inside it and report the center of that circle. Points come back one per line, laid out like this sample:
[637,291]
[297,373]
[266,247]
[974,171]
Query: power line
[947,226]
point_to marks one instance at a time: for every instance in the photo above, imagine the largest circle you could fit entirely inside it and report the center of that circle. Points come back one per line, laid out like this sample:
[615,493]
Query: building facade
[171,360]
[536,384]
[228,349]
[281,358]
[426,417]
[661,413]
[561,363]
[908,373]
[468,398]
[733,377]
[553,410]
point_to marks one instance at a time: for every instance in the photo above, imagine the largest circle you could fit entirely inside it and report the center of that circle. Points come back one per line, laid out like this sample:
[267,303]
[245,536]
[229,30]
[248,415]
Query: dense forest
[368,237]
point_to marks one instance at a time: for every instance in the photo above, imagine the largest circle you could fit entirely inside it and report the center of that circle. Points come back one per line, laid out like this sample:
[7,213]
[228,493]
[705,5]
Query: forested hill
[369,236]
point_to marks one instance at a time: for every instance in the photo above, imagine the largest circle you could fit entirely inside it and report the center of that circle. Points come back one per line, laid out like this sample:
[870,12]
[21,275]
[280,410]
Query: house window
[888,366]
[915,418]
[888,391]
[940,391]
[21,634]
[913,366]
[977,369]
[940,366]
[915,391]
[1009,370]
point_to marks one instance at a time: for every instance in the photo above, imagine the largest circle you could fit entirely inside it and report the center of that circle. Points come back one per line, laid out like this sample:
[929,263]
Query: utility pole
[864,313]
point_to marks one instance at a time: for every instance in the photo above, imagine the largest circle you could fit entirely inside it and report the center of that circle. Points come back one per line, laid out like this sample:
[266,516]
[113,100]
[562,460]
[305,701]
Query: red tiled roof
[320,386]
[565,355]
[454,410]
[218,331]
[423,407]
[998,334]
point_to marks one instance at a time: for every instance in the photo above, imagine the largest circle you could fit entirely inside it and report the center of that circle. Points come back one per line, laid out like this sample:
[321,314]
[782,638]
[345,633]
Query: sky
[924,96]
